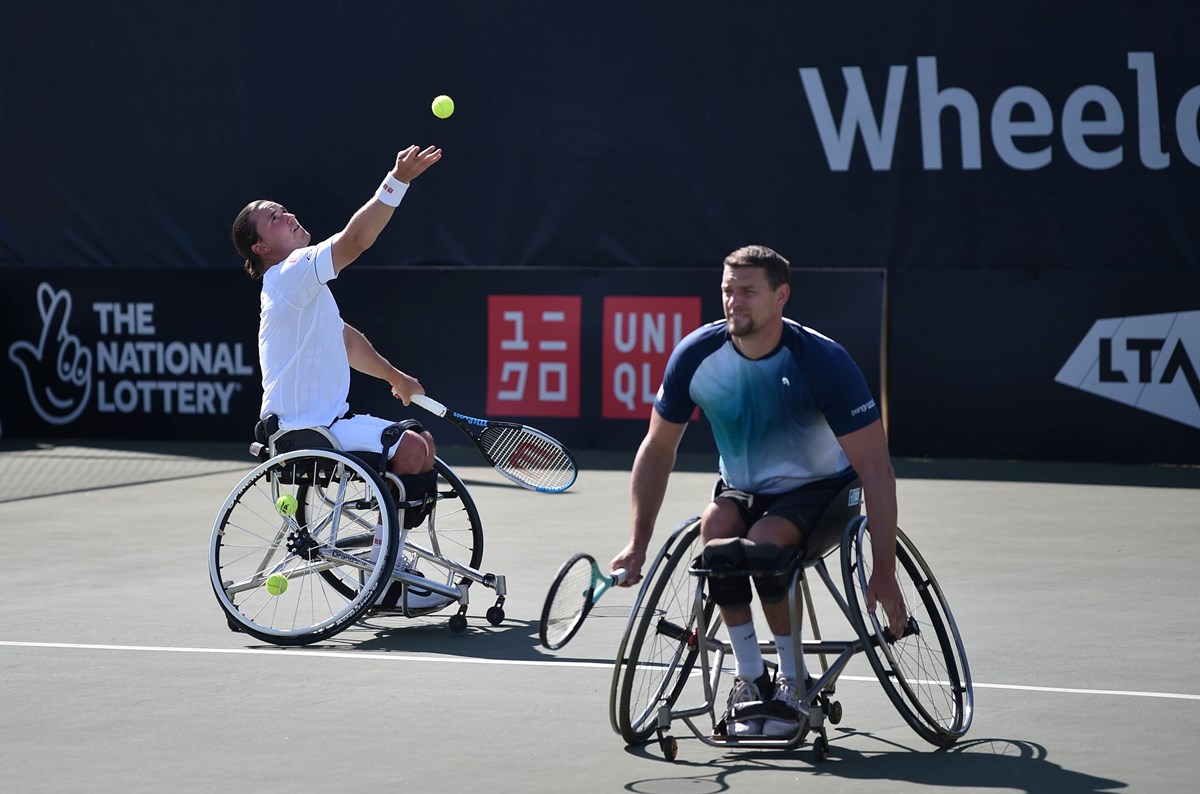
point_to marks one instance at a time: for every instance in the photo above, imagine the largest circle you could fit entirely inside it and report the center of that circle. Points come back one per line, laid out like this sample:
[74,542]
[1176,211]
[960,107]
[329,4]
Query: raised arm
[366,224]
[648,485]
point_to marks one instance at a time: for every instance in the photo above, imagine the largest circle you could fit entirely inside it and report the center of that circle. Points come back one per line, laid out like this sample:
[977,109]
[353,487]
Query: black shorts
[803,506]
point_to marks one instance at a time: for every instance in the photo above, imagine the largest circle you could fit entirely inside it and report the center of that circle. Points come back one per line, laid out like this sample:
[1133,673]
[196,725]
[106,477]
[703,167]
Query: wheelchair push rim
[658,651]
[925,673]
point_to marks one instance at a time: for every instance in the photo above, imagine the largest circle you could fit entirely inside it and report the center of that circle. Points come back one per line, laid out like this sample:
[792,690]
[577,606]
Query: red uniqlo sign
[639,335]
[533,355]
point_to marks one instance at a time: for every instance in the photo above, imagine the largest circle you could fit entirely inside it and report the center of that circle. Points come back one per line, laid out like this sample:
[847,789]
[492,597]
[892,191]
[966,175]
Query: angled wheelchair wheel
[925,672]
[290,558]
[659,648]
[452,531]
[450,536]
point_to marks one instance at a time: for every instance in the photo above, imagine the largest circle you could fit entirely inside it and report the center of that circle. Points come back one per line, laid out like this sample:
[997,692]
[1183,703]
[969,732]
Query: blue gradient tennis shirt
[775,419]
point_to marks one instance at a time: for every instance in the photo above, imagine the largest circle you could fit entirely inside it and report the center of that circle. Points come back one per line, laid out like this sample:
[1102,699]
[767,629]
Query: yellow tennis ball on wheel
[276,584]
[286,505]
[443,107]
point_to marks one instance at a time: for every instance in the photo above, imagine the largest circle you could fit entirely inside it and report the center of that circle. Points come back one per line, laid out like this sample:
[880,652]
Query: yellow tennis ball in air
[286,505]
[443,107]
[276,584]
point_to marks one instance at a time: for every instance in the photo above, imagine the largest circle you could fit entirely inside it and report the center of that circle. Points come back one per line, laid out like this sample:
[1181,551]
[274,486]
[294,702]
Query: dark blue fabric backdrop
[621,133]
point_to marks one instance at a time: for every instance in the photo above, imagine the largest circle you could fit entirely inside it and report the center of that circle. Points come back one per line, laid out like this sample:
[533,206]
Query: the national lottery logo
[126,368]
[57,368]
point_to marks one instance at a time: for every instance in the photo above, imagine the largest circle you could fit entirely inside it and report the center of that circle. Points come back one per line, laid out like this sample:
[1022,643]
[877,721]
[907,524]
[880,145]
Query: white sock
[788,661]
[377,546]
[746,652]
[787,658]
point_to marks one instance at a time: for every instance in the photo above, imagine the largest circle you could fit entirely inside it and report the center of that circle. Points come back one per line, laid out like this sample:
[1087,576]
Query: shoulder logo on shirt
[786,382]
[862,409]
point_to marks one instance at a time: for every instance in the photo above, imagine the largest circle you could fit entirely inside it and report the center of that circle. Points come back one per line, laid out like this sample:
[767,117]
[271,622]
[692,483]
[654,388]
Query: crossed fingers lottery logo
[57,368]
[114,361]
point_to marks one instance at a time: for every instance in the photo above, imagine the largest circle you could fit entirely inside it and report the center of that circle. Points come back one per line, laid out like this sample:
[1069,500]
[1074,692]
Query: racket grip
[429,404]
[619,576]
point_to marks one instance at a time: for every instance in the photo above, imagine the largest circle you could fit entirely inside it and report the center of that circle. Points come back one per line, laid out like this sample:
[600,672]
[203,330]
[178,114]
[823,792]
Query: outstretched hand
[412,162]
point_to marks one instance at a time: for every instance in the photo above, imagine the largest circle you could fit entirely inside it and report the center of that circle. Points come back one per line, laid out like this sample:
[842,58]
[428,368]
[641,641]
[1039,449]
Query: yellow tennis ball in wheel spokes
[443,107]
[286,505]
[276,584]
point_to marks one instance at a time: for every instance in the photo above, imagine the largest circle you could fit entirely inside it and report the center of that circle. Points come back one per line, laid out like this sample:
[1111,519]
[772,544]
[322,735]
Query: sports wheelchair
[315,537]
[671,659]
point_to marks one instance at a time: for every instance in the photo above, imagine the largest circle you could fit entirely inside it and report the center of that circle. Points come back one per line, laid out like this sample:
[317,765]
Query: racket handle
[619,576]
[429,404]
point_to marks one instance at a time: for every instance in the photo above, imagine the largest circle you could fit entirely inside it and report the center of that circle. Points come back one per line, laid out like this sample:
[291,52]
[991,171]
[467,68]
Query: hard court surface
[1074,588]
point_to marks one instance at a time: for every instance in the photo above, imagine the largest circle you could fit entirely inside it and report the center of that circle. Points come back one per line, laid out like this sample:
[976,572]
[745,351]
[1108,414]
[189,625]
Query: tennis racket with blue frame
[523,454]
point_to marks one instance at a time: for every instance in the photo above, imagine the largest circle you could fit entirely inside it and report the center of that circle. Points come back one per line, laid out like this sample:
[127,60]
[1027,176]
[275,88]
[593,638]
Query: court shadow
[984,764]
[511,641]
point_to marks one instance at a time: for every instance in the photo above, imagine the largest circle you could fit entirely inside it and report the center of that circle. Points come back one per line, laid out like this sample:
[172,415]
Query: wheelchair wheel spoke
[269,561]
[925,672]
[660,656]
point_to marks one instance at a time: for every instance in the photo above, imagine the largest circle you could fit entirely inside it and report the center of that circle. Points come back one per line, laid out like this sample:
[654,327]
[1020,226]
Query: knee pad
[391,434]
[421,487]
[777,564]
[722,557]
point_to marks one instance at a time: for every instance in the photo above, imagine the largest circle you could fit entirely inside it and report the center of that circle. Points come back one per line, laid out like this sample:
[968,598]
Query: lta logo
[1148,362]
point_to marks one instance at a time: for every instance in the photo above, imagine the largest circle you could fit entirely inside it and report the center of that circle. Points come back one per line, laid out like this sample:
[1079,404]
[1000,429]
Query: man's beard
[745,325]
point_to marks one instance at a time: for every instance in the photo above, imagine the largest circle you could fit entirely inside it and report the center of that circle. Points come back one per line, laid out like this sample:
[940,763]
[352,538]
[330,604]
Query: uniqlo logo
[533,355]
[639,335]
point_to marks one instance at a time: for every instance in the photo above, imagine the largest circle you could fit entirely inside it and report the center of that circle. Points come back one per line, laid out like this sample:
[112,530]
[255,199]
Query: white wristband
[391,191]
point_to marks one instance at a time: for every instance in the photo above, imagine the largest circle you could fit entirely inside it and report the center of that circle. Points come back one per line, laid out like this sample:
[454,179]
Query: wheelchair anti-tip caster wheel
[458,623]
[835,712]
[495,616]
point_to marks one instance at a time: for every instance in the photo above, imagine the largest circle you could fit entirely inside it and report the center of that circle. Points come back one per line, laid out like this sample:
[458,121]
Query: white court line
[391,657]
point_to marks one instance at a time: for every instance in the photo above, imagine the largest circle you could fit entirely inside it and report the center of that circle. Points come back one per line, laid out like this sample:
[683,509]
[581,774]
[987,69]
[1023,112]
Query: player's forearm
[648,486]
[363,230]
[879,487]
[364,358]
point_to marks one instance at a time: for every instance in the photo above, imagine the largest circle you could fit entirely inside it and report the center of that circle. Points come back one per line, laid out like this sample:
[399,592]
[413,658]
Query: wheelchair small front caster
[820,748]
[670,747]
[495,615]
[458,623]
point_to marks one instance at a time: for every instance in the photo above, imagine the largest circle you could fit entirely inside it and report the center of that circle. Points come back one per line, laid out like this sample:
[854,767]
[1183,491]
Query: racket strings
[529,457]
[569,601]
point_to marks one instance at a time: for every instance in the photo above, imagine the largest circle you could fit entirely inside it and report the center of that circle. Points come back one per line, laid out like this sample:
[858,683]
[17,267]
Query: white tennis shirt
[301,347]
